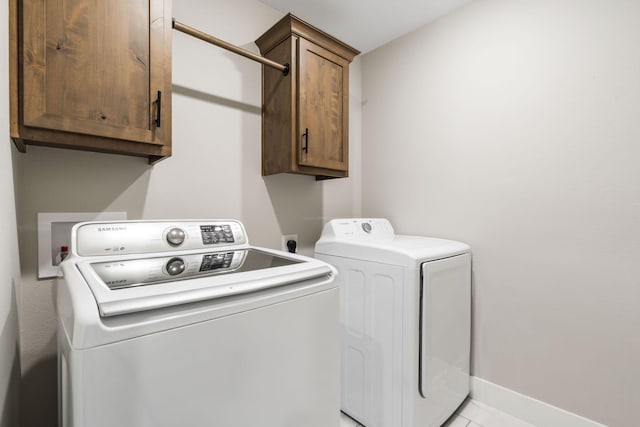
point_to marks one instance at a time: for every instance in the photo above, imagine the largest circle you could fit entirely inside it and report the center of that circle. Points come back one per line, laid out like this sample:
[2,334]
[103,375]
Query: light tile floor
[470,414]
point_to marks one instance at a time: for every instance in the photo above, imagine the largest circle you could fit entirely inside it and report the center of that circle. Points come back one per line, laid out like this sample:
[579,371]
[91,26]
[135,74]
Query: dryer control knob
[175,236]
[175,266]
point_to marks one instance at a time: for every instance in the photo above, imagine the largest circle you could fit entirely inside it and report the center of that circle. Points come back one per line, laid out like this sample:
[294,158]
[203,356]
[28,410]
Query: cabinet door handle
[305,147]
[158,109]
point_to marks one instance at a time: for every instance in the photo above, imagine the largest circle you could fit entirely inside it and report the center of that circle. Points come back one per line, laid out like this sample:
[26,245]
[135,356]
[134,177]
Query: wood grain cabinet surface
[92,75]
[305,114]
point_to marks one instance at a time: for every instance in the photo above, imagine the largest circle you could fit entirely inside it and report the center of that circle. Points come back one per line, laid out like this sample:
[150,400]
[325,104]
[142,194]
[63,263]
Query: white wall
[214,173]
[514,125]
[9,270]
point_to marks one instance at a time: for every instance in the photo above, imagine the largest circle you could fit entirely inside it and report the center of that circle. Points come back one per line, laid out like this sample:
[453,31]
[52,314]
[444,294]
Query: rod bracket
[285,72]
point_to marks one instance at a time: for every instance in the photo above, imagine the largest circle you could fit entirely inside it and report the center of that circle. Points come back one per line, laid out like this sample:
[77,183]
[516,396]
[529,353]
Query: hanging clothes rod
[225,45]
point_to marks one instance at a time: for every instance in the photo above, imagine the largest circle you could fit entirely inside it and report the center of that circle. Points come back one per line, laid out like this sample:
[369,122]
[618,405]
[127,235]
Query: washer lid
[375,240]
[126,285]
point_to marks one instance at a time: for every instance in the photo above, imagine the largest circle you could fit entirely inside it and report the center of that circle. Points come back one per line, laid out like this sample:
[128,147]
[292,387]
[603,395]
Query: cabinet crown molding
[291,24]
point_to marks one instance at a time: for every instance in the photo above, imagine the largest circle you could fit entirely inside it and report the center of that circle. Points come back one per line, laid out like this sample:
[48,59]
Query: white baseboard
[526,408]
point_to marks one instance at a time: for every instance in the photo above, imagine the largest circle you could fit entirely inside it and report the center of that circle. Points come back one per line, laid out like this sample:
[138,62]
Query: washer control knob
[176,236]
[175,266]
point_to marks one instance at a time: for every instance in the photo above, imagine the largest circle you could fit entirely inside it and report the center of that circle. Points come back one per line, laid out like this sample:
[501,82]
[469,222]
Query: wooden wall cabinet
[92,75]
[305,114]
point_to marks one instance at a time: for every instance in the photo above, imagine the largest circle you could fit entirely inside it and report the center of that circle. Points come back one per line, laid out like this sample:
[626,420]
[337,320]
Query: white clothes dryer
[405,313]
[183,323]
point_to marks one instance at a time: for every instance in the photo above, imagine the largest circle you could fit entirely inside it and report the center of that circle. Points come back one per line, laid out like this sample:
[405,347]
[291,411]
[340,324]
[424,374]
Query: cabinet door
[94,67]
[323,108]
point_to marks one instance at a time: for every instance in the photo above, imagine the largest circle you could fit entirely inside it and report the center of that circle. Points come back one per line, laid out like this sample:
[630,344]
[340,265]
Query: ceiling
[367,24]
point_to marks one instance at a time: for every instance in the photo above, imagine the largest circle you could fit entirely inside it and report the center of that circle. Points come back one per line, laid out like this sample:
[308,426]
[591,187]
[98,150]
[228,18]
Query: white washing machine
[405,312]
[183,323]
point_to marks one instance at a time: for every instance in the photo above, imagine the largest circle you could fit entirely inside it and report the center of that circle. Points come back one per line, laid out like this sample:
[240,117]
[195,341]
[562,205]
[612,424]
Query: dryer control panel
[358,229]
[138,237]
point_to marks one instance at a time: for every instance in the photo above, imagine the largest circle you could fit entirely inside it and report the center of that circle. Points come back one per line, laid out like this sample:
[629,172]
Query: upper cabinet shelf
[92,75]
[305,114]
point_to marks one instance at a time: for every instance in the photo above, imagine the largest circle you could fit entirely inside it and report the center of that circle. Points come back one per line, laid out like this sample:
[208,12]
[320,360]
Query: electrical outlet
[286,238]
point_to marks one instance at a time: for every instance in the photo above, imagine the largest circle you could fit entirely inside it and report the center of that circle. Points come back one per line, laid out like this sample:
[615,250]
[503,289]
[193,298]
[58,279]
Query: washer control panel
[218,233]
[137,237]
